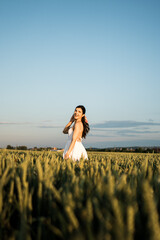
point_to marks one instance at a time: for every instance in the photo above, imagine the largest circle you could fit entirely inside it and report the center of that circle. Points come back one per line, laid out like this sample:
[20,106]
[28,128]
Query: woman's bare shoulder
[78,125]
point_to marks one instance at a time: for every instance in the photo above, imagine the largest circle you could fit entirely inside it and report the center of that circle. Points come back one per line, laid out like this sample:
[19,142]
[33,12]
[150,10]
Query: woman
[74,148]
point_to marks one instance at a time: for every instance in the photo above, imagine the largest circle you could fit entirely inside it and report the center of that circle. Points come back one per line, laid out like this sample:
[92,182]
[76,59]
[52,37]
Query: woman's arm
[76,134]
[65,130]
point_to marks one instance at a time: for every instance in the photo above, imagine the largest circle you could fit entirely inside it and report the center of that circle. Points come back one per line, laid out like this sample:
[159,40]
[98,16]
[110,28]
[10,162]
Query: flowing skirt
[78,151]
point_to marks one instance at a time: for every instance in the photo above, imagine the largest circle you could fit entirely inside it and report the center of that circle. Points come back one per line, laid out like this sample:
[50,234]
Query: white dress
[78,149]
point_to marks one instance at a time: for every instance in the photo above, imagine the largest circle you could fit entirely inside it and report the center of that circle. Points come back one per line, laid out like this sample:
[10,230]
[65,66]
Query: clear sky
[57,54]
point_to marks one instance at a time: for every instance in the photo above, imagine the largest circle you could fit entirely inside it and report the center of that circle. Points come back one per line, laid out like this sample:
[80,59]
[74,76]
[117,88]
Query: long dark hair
[85,124]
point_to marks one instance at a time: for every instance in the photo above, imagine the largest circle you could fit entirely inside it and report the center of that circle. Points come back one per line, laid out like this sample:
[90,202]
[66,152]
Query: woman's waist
[78,140]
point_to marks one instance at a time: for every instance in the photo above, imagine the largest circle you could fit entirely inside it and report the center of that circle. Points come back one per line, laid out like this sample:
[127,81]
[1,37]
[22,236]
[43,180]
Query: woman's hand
[72,118]
[66,156]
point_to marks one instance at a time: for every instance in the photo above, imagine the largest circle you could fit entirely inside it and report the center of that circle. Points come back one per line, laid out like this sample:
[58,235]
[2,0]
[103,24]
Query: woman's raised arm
[65,130]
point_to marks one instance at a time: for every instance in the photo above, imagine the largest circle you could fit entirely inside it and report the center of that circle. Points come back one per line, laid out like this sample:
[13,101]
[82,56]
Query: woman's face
[78,114]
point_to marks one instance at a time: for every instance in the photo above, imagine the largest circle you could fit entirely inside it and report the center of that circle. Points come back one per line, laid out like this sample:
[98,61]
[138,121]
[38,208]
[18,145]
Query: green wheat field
[110,196]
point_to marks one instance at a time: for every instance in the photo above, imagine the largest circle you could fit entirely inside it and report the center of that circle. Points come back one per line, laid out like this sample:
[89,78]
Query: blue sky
[55,55]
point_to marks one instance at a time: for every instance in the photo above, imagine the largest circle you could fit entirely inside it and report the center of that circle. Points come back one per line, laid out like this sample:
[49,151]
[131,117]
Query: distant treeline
[25,148]
[17,147]
[115,149]
[129,149]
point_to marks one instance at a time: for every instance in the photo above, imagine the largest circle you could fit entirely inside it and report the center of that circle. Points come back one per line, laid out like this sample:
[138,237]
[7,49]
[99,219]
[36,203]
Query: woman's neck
[78,120]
